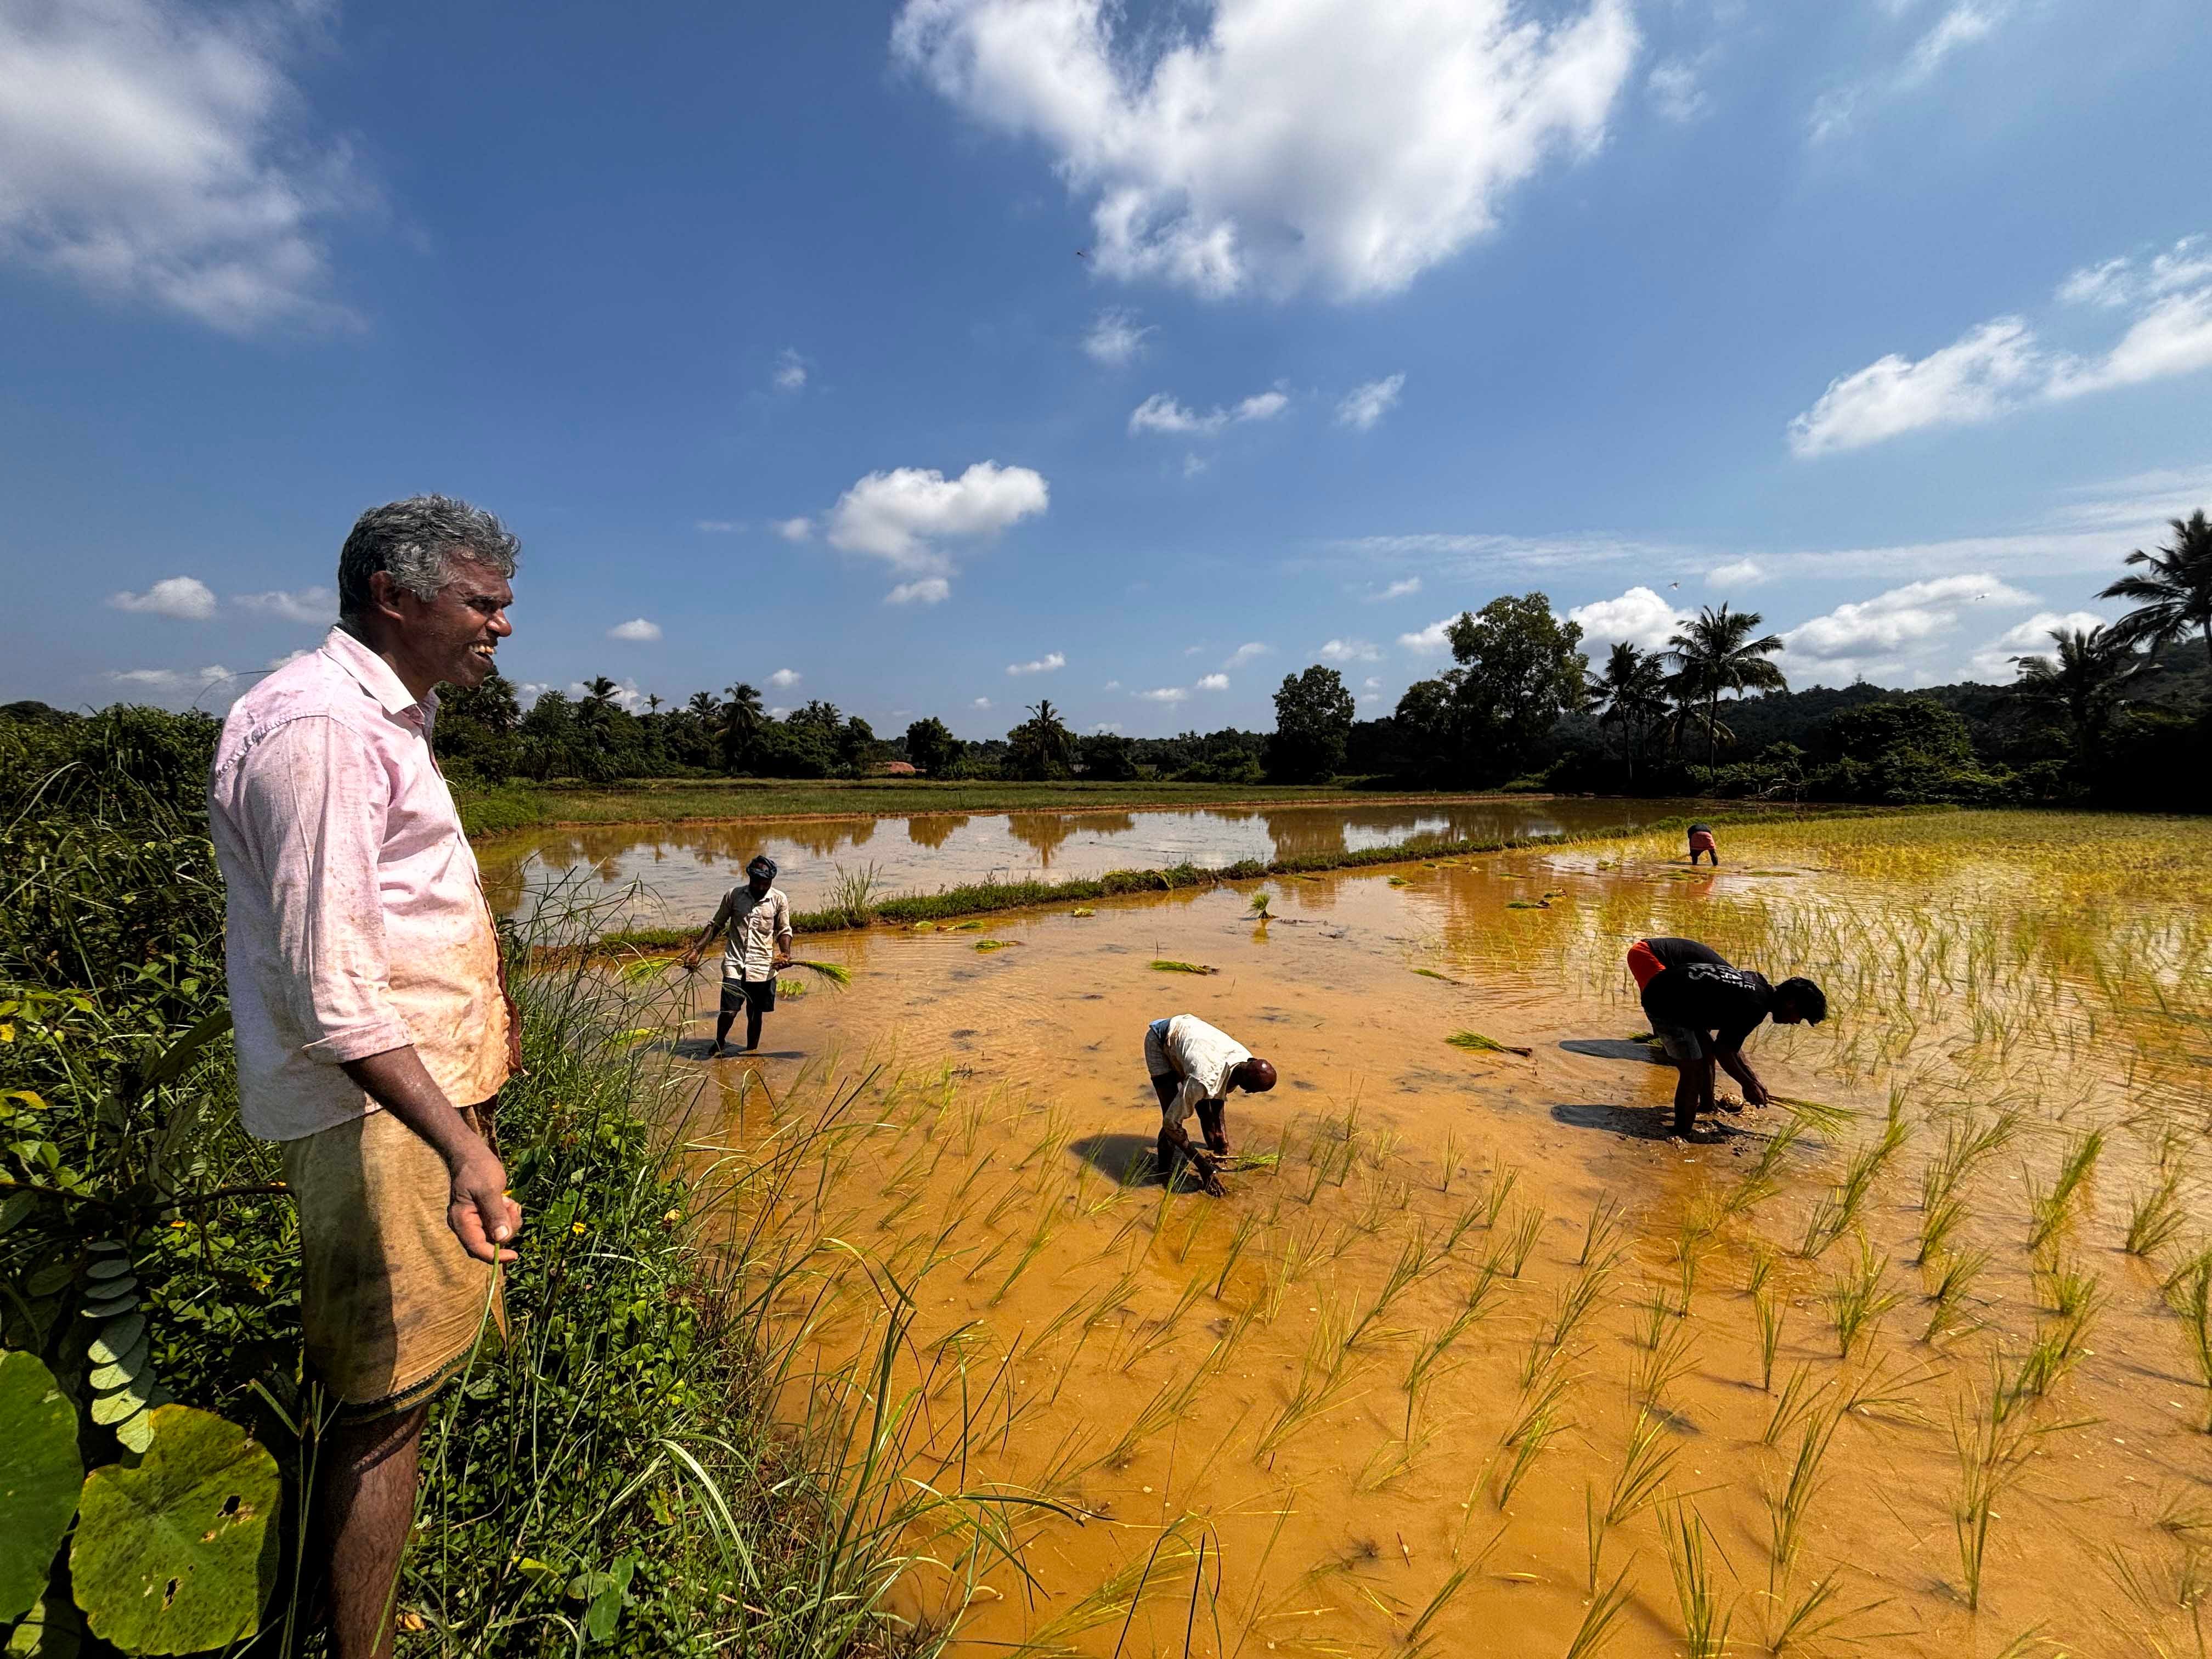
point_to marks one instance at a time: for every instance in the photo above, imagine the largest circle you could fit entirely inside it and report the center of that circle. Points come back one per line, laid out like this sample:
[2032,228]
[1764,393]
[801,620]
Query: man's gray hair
[417,541]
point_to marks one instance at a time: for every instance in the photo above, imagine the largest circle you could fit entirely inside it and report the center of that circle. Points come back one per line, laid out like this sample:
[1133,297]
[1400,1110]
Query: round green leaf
[108,1266]
[39,1473]
[177,1554]
[117,1339]
[126,1401]
[106,1379]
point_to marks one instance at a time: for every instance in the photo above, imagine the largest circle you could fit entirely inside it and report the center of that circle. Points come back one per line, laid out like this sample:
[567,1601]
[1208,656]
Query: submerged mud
[1476,1359]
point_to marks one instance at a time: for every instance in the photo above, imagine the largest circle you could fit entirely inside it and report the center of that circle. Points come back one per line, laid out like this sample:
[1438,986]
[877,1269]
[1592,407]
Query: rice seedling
[1603,1226]
[1705,1620]
[1416,1641]
[1450,1162]
[834,973]
[1762,1266]
[1600,1617]
[1951,1287]
[1938,1221]
[1258,909]
[1769,1313]
[1642,1477]
[1540,1420]
[1856,1299]
[1656,1368]
[1654,1316]
[2049,1207]
[1414,1260]
[1497,1189]
[1788,1499]
[2156,1215]
[1806,1619]
[1431,1353]
[1800,1394]
[1571,1306]
[1321,1381]
[1759,1183]
[1169,965]
[1247,1226]
[1430,972]
[1515,1250]
[1475,1042]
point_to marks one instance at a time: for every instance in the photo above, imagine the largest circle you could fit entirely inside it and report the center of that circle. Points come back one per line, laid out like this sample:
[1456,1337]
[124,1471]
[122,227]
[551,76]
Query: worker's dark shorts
[1684,1047]
[758,995]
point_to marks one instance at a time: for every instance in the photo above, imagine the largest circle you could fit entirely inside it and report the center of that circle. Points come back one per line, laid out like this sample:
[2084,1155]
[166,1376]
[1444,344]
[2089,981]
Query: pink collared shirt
[355,920]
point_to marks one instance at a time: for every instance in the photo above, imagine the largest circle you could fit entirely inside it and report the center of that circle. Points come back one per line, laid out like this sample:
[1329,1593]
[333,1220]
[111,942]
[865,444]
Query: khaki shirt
[757,926]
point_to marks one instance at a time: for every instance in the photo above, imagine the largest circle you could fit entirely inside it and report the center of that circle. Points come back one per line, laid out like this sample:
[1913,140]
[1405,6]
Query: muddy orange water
[678,870]
[1384,1396]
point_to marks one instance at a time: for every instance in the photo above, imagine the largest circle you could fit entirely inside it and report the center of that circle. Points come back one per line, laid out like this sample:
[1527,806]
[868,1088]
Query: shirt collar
[375,676]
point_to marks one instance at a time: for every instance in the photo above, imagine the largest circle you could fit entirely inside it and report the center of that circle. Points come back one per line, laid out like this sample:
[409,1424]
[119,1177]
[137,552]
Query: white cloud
[1350,651]
[1737,573]
[186,597]
[637,630]
[1404,588]
[1889,633]
[1105,728]
[1964,23]
[1371,683]
[901,515]
[777,712]
[156,153]
[1213,683]
[930,590]
[981,702]
[1336,142]
[718,526]
[1368,404]
[793,530]
[625,696]
[1246,653]
[785,677]
[1115,337]
[2002,366]
[1429,641]
[1961,26]
[1674,90]
[307,605]
[193,686]
[1194,464]
[790,371]
[1971,380]
[1111,685]
[1165,694]
[1048,663]
[528,692]
[1639,617]
[1994,664]
[1161,413]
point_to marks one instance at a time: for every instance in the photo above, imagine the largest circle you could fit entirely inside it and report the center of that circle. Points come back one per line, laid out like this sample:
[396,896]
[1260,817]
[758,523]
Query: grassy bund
[855,904]
[522,806]
[609,1478]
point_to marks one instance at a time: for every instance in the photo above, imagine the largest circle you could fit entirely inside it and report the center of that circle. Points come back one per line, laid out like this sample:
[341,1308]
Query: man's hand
[482,1215]
[780,964]
[690,960]
[1754,1092]
[1208,1173]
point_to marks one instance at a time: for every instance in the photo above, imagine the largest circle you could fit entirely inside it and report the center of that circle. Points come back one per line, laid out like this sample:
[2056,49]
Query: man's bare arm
[1755,1091]
[706,938]
[483,1217]
[1201,1160]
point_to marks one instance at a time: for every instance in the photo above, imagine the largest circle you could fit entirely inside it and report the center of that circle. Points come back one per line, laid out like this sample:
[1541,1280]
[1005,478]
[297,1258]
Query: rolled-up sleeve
[311,803]
[782,918]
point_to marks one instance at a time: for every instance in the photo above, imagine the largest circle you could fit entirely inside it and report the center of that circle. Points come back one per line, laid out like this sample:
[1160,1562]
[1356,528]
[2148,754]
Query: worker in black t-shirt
[1701,1009]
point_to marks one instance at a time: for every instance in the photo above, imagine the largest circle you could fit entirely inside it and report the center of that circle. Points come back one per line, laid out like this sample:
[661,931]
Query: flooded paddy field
[677,870]
[1473,1359]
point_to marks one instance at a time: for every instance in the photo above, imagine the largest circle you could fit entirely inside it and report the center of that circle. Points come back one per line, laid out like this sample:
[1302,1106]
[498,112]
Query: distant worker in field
[1194,1068]
[758,917]
[1701,1009]
[1701,841]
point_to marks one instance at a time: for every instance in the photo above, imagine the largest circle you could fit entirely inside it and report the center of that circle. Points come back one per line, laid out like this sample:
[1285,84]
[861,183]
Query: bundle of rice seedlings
[837,975]
[1164,965]
[995,944]
[1475,1042]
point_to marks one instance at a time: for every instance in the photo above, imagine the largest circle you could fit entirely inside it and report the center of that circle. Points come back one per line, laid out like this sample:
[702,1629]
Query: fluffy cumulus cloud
[1165,694]
[1115,336]
[793,530]
[186,597]
[1405,588]
[1430,641]
[637,630]
[171,682]
[1213,683]
[1364,405]
[1349,651]
[981,702]
[1994,663]
[1268,144]
[156,153]
[1639,617]
[784,679]
[2003,365]
[625,696]
[1248,652]
[1893,633]
[1051,662]
[1737,573]
[1674,90]
[1161,413]
[790,373]
[306,605]
[903,516]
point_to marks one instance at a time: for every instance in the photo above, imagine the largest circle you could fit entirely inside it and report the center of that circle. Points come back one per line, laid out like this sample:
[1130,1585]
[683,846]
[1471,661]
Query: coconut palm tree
[2176,598]
[1633,691]
[597,706]
[2081,687]
[1715,653]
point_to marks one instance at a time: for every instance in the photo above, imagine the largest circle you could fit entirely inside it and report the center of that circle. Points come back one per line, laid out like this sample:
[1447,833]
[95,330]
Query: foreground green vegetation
[609,1476]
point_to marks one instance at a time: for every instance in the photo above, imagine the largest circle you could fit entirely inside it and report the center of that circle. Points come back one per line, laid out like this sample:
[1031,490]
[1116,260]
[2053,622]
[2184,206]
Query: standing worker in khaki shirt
[373,1030]
[758,917]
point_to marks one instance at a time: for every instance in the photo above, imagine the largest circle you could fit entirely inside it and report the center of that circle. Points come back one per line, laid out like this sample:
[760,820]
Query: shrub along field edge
[986,898]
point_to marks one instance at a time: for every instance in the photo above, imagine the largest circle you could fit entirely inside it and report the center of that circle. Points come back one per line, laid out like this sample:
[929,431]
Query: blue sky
[930,356]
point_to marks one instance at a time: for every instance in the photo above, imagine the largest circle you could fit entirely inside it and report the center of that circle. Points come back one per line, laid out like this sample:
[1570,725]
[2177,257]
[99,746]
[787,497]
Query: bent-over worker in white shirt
[1194,1066]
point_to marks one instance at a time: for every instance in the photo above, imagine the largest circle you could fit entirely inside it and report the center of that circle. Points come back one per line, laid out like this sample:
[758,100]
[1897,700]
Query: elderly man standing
[372,1026]
[758,917]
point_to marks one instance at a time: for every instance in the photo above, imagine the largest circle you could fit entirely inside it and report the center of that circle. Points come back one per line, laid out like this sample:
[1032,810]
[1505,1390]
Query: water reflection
[688,866]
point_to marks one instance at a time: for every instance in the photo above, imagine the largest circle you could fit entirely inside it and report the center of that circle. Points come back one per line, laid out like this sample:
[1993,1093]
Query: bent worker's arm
[1755,1091]
[699,945]
[783,935]
[1201,1159]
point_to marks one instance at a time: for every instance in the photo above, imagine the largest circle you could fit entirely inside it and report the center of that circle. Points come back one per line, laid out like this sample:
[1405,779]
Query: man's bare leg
[1693,1093]
[366,1504]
